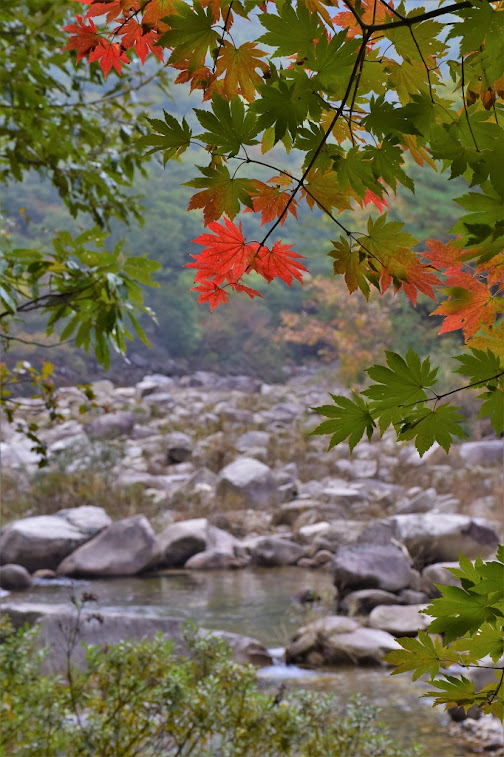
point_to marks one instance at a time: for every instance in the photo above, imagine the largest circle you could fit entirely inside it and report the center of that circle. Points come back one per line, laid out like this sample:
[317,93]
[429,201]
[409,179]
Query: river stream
[259,603]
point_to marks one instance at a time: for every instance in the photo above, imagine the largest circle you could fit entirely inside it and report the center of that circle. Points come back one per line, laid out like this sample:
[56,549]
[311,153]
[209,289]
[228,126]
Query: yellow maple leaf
[322,188]
[239,64]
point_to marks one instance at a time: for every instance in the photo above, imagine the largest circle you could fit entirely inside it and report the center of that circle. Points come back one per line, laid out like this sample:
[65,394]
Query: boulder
[246,482]
[122,549]
[177,543]
[485,452]
[363,601]
[111,425]
[399,620]
[179,447]
[154,383]
[336,640]
[270,551]
[304,512]
[245,649]
[367,566]
[252,440]
[44,540]
[439,537]
[14,577]
[333,535]
[438,573]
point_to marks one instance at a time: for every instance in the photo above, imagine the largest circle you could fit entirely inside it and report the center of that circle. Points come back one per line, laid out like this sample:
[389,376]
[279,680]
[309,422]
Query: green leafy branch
[406,384]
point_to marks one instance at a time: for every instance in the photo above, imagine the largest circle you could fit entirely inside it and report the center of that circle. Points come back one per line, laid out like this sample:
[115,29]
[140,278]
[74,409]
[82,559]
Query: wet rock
[272,552]
[399,620]
[123,549]
[367,566]
[44,540]
[337,640]
[246,483]
[14,577]
[111,425]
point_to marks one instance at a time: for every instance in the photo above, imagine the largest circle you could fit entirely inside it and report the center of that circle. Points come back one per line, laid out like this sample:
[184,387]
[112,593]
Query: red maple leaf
[135,35]
[279,262]
[212,293]
[419,278]
[111,8]
[378,201]
[84,37]
[443,257]
[226,255]
[110,55]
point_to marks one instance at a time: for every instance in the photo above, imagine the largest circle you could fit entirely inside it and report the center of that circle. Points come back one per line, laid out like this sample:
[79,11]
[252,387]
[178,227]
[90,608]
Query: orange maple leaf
[111,9]
[239,65]
[134,35]
[271,201]
[226,255]
[370,12]
[470,305]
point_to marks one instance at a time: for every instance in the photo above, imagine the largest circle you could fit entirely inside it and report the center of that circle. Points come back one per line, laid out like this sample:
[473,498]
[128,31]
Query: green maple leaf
[460,611]
[333,61]
[479,365]
[457,692]
[426,35]
[386,163]
[229,125]
[406,78]
[422,655]
[493,406]
[355,169]
[349,420]
[221,193]
[384,118]
[486,208]
[488,641]
[401,384]
[281,106]
[191,35]
[427,426]
[291,32]
[172,139]
[481,24]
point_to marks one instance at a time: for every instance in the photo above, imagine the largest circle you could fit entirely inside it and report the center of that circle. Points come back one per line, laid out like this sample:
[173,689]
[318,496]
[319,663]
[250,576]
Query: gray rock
[439,537]
[272,552]
[399,620]
[111,425]
[179,447]
[154,383]
[252,440]
[367,566]
[363,601]
[335,640]
[180,541]
[215,559]
[123,549]
[356,468]
[338,533]
[486,452]
[44,540]
[303,512]
[245,483]
[421,502]
[14,577]
[438,573]
[413,597]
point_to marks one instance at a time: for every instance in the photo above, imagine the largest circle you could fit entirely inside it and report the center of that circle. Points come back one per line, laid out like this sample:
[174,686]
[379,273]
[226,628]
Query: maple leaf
[323,188]
[239,64]
[427,426]
[350,262]
[112,9]
[271,201]
[445,257]
[110,55]
[471,304]
[221,195]
[279,262]
[491,338]
[212,293]
[348,419]
[155,10]
[134,35]
[225,255]
[84,37]
[380,202]
[191,34]
[370,13]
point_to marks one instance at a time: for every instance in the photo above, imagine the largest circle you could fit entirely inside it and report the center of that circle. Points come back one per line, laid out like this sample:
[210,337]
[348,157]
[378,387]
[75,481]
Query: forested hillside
[257,336]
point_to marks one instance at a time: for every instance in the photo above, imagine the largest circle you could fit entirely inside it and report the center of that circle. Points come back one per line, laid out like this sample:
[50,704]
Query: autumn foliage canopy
[357,89]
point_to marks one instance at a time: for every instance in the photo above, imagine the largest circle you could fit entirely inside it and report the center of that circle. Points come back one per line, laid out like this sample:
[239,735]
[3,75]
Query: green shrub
[142,698]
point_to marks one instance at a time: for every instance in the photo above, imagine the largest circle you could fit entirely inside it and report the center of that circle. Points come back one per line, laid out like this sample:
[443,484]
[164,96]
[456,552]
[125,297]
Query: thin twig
[465,106]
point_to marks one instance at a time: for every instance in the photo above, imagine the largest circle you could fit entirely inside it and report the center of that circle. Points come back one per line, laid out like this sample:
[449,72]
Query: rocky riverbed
[234,481]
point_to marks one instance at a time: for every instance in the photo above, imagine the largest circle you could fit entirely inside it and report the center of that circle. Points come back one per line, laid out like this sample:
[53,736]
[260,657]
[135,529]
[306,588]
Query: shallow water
[259,603]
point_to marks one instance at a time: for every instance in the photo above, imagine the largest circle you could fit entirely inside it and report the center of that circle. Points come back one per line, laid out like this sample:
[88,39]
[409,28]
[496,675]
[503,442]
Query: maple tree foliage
[357,88]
